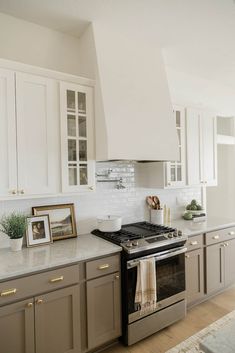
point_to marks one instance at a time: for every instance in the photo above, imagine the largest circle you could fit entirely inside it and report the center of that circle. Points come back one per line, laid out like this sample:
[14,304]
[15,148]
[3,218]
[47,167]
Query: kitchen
[50,51]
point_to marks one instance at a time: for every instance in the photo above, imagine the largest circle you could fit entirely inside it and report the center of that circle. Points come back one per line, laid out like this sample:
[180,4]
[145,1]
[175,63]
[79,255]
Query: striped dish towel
[146,288]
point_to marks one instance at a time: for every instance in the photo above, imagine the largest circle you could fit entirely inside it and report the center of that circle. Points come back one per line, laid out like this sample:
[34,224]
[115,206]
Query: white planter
[156,216]
[16,244]
[109,223]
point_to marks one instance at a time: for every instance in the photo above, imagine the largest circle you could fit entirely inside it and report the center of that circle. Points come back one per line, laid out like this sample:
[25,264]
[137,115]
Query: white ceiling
[198,36]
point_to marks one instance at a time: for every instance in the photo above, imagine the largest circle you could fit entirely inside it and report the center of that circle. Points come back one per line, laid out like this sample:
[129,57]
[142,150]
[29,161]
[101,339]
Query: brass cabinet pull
[39,301]
[223,245]
[194,242]
[29,305]
[226,244]
[231,233]
[57,279]
[103,267]
[117,276]
[187,256]
[22,191]
[216,237]
[7,292]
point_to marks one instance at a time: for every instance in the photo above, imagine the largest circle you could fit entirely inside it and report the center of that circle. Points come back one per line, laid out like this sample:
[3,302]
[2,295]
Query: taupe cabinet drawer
[39,283]
[220,235]
[102,266]
[194,242]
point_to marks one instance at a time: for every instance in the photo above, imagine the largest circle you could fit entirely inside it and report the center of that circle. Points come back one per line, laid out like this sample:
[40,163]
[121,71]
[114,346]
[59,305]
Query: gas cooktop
[136,237]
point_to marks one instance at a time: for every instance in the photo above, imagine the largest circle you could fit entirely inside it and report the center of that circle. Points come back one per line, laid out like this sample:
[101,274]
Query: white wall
[32,44]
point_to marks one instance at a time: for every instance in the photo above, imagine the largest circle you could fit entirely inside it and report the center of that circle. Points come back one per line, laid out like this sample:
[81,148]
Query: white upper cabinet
[175,170]
[201,147]
[36,138]
[77,138]
[8,174]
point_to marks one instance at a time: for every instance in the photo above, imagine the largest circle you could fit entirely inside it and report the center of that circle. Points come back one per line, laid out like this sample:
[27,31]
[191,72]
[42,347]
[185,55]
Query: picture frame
[38,231]
[62,219]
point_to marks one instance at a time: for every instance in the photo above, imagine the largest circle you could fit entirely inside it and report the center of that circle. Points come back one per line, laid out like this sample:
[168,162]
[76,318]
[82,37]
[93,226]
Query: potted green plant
[14,225]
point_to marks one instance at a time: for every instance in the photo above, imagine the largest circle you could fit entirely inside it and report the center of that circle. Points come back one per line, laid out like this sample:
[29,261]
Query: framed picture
[38,231]
[62,219]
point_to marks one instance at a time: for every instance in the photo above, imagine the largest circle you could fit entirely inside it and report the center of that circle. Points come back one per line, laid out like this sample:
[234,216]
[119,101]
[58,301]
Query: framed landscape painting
[62,219]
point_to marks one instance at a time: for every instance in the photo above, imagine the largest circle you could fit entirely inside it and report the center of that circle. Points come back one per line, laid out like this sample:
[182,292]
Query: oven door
[170,281]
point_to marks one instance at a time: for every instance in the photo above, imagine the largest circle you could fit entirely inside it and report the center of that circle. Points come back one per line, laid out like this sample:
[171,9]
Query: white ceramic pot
[156,216]
[109,223]
[16,244]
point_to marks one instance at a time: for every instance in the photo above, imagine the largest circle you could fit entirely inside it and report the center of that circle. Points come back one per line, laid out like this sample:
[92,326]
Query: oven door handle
[161,256]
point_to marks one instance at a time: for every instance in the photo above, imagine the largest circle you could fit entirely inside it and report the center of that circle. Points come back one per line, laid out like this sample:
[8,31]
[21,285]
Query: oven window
[170,277]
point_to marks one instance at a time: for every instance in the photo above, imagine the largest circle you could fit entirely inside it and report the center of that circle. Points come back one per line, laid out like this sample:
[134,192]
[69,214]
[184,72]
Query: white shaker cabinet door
[193,146]
[36,134]
[8,161]
[209,147]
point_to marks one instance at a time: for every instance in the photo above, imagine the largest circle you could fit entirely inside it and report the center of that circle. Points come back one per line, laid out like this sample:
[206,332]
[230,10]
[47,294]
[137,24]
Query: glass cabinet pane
[70,100]
[83,174]
[73,176]
[82,127]
[71,125]
[72,150]
[179,136]
[82,102]
[177,118]
[82,150]
[179,173]
[173,176]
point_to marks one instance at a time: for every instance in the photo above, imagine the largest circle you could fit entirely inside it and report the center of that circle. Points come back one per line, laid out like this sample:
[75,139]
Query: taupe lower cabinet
[220,260]
[103,310]
[17,327]
[103,301]
[45,324]
[194,265]
[70,309]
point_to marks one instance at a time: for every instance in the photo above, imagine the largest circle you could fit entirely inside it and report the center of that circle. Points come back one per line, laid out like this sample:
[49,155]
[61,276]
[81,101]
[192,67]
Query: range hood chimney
[133,110]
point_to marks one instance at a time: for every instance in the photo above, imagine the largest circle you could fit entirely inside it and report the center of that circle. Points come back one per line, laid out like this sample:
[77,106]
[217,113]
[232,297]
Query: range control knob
[175,234]
[135,243]
[180,233]
[129,244]
[170,235]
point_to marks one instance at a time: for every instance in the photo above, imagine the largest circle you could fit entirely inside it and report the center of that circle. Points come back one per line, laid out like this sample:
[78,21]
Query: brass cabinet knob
[13,192]
[39,301]
[29,305]
[117,276]
[187,256]
[231,233]
[91,188]
[22,191]
[169,184]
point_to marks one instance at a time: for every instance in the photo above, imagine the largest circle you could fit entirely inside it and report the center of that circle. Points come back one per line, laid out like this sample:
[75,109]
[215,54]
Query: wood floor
[197,318]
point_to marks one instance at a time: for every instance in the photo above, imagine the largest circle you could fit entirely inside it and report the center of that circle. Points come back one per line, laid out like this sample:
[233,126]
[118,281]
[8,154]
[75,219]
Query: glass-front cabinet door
[78,165]
[175,170]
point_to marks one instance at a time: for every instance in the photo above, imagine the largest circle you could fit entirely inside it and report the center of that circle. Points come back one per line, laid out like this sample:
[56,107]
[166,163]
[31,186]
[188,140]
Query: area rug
[191,344]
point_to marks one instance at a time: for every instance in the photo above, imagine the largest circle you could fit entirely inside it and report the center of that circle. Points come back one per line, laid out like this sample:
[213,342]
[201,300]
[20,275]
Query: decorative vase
[16,244]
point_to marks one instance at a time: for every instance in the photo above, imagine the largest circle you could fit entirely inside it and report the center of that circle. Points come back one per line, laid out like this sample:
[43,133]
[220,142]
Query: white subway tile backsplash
[128,203]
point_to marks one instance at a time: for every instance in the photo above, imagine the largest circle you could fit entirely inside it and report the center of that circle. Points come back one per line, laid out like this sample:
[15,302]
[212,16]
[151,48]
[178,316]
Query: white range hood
[133,114]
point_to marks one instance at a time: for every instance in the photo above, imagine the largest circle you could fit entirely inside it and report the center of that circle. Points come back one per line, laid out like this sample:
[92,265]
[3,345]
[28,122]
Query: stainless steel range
[167,246]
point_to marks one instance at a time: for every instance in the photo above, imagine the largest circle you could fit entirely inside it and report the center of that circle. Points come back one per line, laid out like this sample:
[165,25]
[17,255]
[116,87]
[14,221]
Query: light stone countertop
[63,252]
[191,228]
